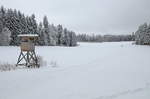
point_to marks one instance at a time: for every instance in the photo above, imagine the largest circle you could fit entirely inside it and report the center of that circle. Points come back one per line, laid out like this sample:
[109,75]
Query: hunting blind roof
[27,35]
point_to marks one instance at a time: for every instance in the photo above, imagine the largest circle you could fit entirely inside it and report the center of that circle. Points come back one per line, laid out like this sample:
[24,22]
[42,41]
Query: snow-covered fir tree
[23,23]
[73,40]
[12,23]
[147,36]
[142,35]
[46,31]
[66,39]
[60,34]
[1,23]
[5,37]
[41,34]
[52,34]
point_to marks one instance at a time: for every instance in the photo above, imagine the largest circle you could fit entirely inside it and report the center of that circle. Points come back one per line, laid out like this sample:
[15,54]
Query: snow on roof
[27,35]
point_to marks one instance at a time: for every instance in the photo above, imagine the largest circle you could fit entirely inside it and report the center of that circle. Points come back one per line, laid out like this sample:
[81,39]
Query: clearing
[116,70]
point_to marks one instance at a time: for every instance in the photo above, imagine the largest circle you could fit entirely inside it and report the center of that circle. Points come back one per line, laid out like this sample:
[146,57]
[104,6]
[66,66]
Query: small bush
[41,62]
[54,64]
[7,67]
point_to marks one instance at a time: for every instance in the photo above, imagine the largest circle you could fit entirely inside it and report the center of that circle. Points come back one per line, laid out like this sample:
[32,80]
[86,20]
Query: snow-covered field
[117,70]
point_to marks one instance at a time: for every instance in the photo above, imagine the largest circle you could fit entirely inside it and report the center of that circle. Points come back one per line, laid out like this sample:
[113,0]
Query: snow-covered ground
[118,70]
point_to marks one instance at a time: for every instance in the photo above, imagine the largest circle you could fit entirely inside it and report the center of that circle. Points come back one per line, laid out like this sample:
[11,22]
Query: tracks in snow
[127,92]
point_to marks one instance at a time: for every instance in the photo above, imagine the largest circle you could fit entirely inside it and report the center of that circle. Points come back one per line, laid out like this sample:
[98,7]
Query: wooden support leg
[29,57]
[19,59]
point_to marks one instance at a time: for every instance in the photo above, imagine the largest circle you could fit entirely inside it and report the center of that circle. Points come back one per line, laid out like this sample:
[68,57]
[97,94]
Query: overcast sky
[88,16]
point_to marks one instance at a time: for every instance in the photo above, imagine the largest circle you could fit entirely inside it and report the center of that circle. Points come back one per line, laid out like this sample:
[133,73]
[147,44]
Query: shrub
[7,67]
[53,64]
[40,61]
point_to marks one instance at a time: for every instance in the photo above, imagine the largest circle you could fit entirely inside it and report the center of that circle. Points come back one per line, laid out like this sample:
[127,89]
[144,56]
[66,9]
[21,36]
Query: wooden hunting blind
[27,55]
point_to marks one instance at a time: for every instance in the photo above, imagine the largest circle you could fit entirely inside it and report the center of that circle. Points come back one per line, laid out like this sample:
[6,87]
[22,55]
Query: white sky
[88,16]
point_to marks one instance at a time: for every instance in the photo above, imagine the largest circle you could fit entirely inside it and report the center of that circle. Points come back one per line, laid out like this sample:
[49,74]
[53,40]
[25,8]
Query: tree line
[13,23]
[141,36]
[104,38]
